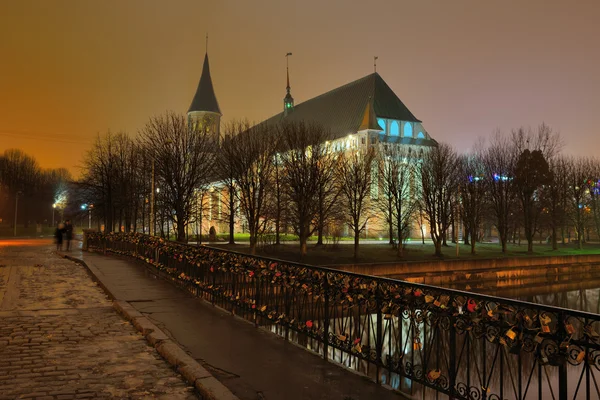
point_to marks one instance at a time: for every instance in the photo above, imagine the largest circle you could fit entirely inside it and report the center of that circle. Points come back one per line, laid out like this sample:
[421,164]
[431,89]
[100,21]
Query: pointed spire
[288,100]
[369,120]
[205,99]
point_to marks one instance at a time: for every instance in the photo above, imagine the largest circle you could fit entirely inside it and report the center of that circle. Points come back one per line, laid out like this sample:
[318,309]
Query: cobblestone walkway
[60,338]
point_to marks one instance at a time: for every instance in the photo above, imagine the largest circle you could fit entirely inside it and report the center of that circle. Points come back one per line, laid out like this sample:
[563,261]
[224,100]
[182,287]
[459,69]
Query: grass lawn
[383,252]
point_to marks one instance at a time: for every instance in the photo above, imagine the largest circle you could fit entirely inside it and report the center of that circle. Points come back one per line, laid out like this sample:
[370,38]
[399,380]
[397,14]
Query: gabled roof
[205,99]
[369,121]
[341,110]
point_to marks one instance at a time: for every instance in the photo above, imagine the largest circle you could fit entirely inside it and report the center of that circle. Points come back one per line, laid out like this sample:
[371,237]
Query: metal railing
[415,338]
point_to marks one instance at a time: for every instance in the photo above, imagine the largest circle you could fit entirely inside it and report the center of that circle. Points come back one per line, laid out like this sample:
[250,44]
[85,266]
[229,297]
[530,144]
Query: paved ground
[252,363]
[60,337]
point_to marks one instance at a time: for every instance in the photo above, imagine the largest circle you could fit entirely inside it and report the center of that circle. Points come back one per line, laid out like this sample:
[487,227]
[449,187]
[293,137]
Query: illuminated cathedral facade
[365,112]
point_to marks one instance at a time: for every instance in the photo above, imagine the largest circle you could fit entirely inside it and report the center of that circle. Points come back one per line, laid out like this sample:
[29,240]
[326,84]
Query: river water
[575,286]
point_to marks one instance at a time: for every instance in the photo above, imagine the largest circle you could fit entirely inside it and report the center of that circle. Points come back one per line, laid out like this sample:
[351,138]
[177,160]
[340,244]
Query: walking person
[68,233]
[58,236]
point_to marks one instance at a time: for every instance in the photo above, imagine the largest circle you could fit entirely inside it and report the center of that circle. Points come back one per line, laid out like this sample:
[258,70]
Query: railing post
[452,356]
[326,318]
[562,380]
[379,340]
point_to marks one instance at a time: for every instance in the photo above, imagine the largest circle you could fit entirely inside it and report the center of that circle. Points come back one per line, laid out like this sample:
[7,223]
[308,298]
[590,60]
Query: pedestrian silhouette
[68,233]
[58,236]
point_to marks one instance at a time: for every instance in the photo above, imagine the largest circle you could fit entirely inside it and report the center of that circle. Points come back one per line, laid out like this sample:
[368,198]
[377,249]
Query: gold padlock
[511,334]
[417,344]
[428,298]
[434,374]
[570,329]
[545,329]
[437,303]
[580,356]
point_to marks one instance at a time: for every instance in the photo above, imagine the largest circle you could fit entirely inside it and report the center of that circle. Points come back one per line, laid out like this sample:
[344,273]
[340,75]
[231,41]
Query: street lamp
[53,208]
[89,208]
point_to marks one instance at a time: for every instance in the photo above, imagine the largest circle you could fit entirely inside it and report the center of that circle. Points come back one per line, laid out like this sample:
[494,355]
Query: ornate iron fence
[412,337]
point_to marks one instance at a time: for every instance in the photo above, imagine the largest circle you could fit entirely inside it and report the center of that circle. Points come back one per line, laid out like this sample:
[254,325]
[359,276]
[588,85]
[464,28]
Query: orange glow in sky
[71,69]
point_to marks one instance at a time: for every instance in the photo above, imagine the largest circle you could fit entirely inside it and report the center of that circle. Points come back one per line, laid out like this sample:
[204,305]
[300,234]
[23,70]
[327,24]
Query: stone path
[60,337]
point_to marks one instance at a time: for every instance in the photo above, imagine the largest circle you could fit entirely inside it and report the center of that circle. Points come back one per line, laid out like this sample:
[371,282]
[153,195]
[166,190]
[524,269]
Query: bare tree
[499,161]
[250,155]
[303,150]
[355,178]
[593,185]
[472,192]
[577,176]
[184,158]
[398,202]
[328,193]
[532,176]
[438,184]
[557,197]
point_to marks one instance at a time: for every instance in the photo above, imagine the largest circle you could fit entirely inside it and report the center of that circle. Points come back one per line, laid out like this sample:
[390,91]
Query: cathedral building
[365,112]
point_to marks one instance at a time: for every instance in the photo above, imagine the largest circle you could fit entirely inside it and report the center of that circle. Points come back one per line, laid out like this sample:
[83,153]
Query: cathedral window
[382,124]
[408,131]
[421,135]
[395,129]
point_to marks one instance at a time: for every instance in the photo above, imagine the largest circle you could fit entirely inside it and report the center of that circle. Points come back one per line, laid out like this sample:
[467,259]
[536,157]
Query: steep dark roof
[205,99]
[342,110]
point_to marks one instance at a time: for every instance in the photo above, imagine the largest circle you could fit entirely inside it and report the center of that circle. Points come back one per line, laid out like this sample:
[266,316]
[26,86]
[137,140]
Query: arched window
[381,123]
[421,135]
[395,129]
[407,129]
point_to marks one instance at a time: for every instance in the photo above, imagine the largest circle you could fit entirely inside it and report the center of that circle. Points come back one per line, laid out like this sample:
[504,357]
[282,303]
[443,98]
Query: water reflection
[575,286]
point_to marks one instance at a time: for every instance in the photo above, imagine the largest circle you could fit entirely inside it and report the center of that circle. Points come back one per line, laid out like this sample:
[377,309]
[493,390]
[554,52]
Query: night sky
[72,69]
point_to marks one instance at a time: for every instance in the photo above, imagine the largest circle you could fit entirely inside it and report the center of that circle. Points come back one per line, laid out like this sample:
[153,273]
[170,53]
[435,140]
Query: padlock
[544,319]
[387,316]
[580,357]
[437,303]
[570,329]
[538,339]
[444,299]
[564,345]
[545,329]
[428,298]
[434,374]
[511,334]
[417,344]
[341,337]
[589,331]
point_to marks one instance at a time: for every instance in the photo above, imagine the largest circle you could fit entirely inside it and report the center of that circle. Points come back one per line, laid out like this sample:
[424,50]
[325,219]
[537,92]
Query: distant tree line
[30,189]
[288,178]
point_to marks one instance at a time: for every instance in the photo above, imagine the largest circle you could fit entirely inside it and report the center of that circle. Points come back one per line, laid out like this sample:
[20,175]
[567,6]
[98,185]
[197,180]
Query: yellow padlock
[511,334]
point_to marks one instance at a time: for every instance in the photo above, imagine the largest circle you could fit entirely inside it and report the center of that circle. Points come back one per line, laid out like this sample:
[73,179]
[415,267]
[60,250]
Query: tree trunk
[231,215]
[438,247]
[180,232]
[252,244]
[303,247]
[356,240]
[400,240]
[472,234]
[320,230]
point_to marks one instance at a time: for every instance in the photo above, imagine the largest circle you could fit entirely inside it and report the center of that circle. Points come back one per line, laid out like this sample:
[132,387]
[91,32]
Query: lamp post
[89,208]
[90,216]
[53,208]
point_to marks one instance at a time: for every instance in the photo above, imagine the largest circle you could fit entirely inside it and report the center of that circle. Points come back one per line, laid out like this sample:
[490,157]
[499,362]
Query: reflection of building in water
[359,115]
